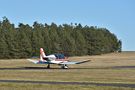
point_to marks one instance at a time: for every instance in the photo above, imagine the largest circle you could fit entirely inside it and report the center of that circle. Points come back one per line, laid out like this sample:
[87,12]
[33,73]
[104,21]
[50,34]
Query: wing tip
[83,61]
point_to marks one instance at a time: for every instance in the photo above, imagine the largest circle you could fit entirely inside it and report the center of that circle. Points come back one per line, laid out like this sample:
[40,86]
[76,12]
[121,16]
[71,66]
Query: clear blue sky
[116,15]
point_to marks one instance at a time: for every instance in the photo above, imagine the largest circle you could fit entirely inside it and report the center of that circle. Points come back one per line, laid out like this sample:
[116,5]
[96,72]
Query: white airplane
[59,59]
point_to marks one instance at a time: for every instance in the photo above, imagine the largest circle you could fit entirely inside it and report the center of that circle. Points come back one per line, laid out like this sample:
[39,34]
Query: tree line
[24,41]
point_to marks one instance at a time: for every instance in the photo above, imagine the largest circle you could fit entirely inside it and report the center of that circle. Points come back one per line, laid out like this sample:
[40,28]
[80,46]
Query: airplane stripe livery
[59,59]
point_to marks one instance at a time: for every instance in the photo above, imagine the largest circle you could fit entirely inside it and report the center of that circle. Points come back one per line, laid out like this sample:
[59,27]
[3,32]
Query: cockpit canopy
[59,56]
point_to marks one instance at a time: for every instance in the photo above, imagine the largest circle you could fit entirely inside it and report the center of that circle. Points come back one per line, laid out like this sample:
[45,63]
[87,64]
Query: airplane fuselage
[55,59]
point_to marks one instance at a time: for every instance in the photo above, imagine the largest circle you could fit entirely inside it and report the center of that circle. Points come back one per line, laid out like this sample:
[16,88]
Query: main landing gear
[48,66]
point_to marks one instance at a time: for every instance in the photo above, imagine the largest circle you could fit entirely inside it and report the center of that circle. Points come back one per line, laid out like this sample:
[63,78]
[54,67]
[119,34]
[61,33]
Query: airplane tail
[42,53]
[42,58]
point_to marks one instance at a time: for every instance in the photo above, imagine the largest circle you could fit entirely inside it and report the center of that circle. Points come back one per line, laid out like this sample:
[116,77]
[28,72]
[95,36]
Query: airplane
[58,58]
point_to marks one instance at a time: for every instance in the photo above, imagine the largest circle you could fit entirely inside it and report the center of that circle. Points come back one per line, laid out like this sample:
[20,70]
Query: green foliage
[25,41]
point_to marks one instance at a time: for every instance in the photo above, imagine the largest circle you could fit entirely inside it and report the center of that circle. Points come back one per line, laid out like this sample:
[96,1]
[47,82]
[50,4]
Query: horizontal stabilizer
[34,61]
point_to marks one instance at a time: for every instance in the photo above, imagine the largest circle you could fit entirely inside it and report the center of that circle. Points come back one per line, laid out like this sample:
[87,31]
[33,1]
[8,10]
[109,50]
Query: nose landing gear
[64,66]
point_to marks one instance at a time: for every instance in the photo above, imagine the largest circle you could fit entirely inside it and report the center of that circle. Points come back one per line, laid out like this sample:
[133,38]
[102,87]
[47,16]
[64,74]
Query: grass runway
[115,68]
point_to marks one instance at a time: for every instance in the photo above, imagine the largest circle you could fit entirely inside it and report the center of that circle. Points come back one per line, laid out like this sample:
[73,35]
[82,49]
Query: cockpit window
[60,56]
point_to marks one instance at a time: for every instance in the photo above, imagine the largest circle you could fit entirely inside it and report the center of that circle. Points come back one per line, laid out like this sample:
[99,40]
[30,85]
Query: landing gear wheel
[64,66]
[48,66]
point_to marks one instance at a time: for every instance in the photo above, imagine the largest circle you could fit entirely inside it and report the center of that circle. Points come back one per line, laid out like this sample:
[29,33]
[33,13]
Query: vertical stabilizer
[42,53]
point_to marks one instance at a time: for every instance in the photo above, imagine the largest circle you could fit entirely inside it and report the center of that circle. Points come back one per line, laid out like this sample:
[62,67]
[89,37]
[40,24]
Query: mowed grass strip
[100,75]
[23,86]
[102,68]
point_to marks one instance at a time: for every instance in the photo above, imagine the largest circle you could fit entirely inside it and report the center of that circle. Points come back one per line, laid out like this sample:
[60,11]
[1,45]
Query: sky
[118,16]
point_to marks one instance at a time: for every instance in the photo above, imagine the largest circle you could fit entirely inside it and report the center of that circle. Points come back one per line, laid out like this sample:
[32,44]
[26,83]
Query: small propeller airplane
[59,59]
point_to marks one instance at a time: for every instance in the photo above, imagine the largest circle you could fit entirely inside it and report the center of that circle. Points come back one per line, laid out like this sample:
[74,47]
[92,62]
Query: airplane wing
[34,61]
[45,62]
[75,62]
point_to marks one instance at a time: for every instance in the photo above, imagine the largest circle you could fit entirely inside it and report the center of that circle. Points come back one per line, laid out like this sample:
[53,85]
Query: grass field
[108,68]
[9,86]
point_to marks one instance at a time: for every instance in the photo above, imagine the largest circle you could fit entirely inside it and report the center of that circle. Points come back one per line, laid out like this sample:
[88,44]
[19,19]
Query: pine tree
[37,38]
[3,45]
[9,32]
